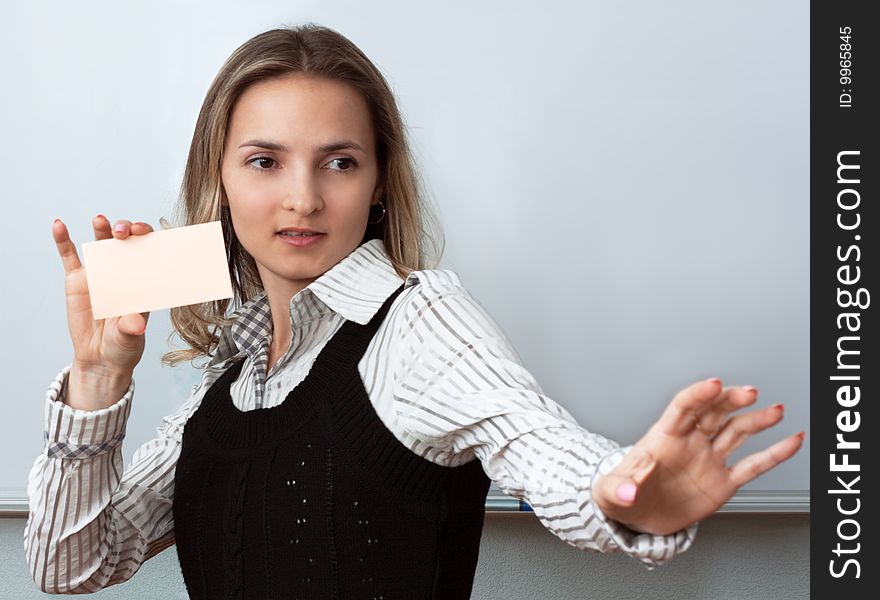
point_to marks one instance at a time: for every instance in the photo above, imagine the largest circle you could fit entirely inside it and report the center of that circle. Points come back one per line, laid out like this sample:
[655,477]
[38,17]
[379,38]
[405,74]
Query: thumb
[133,324]
[621,486]
[618,491]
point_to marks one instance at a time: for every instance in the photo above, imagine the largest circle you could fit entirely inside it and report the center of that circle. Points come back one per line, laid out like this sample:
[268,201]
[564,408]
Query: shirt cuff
[652,550]
[76,434]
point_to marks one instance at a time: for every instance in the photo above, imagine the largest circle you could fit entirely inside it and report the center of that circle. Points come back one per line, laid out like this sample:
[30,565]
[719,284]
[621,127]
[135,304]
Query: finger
[101,227]
[615,491]
[759,463]
[140,228]
[132,324]
[122,229]
[620,486]
[678,418]
[737,429]
[729,400]
[66,248]
[638,465]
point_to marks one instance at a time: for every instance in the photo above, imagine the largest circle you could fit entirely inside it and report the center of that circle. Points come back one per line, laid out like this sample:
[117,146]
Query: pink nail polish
[120,228]
[627,492]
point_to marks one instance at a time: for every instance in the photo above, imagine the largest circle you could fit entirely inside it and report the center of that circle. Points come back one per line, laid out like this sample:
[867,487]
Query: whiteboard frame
[745,502]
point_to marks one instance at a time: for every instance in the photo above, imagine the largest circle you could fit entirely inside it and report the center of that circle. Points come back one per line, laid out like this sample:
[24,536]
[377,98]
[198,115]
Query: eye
[344,164]
[262,158]
[350,162]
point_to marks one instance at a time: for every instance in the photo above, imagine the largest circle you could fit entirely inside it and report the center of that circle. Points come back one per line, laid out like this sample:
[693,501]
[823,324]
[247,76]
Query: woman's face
[299,153]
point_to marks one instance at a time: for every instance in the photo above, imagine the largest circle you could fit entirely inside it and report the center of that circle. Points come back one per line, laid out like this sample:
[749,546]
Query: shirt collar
[355,288]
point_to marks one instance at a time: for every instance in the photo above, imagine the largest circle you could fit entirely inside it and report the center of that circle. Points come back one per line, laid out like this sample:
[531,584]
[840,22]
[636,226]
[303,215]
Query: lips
[298,230]
[301,241]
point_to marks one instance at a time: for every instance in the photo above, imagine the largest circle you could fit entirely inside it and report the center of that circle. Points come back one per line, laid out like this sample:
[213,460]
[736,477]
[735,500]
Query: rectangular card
[162,269]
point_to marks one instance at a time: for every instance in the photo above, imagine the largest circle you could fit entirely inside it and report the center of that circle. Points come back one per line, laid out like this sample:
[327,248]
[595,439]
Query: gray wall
[735,557]
[661,148]
[622,185]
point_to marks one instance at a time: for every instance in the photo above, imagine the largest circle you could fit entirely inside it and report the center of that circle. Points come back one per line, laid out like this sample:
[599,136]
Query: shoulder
[430,287]
[436,306]
[433,279]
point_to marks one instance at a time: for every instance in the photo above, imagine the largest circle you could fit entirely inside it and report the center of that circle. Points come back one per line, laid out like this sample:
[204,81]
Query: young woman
[356,402]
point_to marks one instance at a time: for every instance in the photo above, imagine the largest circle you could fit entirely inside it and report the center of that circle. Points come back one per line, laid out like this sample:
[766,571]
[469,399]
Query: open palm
[677,473]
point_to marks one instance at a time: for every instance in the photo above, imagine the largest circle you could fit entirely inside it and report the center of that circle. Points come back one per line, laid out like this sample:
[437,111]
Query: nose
[302,194]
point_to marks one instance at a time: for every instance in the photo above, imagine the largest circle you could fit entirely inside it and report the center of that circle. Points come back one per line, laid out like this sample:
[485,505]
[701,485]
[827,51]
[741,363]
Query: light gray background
[622,185]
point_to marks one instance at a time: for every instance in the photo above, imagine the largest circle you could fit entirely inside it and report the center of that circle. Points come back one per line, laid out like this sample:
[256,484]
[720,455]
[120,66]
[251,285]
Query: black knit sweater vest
[315,498]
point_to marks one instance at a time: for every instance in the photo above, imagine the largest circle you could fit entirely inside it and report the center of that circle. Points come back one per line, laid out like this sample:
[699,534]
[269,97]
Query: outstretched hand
[677,473]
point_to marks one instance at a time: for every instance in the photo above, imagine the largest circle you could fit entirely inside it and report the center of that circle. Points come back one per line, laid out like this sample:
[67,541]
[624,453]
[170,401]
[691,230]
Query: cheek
[246,219]
[355,219]
[356,212]
[342,210]
[249,205]
[239,228]
[243,192]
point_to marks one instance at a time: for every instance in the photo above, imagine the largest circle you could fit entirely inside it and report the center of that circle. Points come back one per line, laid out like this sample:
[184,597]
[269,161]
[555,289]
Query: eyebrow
[329,147]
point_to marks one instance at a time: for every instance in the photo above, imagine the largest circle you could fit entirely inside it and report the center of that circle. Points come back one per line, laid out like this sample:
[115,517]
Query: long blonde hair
[409,227]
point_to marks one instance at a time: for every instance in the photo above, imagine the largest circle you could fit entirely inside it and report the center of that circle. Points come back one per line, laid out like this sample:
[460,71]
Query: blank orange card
[162,269]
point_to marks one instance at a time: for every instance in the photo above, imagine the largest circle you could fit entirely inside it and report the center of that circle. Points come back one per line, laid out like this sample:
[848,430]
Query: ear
[378,193]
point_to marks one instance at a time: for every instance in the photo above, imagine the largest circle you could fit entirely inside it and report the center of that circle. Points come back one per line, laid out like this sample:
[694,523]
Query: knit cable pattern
[234,534]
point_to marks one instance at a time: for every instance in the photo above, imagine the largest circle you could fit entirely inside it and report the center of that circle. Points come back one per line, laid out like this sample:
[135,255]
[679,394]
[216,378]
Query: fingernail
[778,407]
[56,221]
[627,492]
[713,380]
[802,435]
[750,388]
[120,228]
[100,217]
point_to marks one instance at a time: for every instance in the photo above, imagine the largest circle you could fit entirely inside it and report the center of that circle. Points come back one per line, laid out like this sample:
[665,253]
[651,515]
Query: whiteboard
[623,187]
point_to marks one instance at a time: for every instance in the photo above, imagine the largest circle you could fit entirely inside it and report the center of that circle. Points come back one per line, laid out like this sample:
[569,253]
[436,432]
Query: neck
[281,328]
[279,295]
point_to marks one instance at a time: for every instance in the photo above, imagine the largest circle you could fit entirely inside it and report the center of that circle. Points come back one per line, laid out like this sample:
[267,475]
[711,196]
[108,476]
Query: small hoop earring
[380,218]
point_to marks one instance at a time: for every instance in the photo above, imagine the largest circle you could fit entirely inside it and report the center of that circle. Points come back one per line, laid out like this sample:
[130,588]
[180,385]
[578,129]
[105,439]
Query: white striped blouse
[440,372]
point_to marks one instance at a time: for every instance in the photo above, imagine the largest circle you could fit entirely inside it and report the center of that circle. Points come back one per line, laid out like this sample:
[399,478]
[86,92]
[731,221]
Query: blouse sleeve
[91,525]
[461,390]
